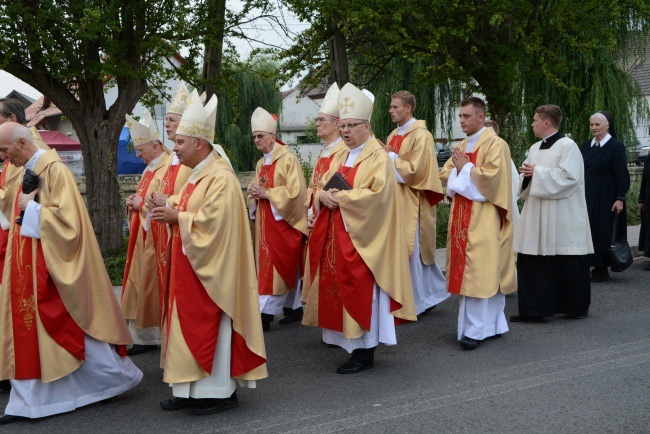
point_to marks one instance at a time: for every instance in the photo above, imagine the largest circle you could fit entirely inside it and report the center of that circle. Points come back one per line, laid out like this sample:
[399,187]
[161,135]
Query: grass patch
[442,219]
[631,200]
[115,261]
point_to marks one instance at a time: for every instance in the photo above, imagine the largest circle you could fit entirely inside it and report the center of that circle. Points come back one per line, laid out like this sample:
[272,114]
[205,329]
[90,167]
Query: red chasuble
[32,286]
[134,228]
[280,244]
[161,241]
[458,229]
[396,144]
[198,315]
[345,280]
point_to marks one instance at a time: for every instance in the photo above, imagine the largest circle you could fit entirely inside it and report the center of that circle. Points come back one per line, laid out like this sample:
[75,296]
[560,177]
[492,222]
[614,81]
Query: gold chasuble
[140,294]
[480,258]
[278,244]
[375,235]
[417,164]
[212,271]
[55,289]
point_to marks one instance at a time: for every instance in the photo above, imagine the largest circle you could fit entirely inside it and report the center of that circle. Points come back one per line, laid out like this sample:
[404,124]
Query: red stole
[458,229]
[161,241]
[396,144]
[199,316]
[134,229]
[279,244]
[322,166]
[26,295]
[345,279]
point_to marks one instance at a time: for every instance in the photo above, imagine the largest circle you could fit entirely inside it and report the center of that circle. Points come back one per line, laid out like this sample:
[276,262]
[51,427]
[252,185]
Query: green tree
[71,50]
[517,53]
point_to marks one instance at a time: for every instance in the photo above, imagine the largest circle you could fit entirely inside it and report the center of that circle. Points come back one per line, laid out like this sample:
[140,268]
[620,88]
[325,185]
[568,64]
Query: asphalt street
[565,375]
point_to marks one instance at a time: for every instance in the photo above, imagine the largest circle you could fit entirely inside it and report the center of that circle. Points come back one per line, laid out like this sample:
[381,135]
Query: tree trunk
[214,45]
[339,67]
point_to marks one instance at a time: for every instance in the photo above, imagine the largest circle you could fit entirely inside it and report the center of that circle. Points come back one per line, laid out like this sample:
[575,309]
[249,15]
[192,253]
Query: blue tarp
[127,162]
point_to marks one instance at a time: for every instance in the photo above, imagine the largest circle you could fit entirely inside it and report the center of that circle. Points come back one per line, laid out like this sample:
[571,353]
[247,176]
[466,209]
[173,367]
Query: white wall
[295,114]
[643,130]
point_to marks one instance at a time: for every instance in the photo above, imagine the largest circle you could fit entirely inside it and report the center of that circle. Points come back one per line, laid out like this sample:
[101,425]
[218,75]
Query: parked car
[443,153]
[639,153]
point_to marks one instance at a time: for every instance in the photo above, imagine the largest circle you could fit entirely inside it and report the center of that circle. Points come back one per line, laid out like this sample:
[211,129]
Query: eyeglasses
[139,151]
[346,126]
[259,136]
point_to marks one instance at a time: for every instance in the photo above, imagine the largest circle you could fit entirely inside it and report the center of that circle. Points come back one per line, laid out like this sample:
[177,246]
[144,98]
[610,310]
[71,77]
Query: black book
[338,182]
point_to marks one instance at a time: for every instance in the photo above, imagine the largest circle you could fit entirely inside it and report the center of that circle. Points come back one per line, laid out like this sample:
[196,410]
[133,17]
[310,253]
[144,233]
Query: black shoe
[427,310]
[352,367]
[599,275]
[291,316]
[215,405]
[469,343]
[526,318]
[267,319]
[5,385]
[581,315]
[646,266]
[177,403]
[8,418]
[330,345]
[139,349]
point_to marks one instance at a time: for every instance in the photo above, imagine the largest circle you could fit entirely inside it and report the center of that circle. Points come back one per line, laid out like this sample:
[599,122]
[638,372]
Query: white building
[641,73]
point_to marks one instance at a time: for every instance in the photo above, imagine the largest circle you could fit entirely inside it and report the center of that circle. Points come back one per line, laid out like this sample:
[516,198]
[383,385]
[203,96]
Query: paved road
[564,375]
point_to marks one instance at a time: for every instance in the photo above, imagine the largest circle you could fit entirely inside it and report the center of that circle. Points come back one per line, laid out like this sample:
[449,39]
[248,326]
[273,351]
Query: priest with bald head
[62,335]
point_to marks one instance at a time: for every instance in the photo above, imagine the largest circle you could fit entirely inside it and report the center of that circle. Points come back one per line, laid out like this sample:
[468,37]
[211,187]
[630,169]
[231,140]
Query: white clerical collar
[199,167]
[401,129]
[331,145]
[153,163]
[474,137]
[31,163]
[353,154]
[549,136]
[267,157]
[602,142]
[175,160]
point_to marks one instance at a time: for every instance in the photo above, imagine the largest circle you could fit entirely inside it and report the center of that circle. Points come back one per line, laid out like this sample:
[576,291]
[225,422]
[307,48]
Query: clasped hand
[328,198]
[256,191]
[164,214]
[527,170]
[459,158]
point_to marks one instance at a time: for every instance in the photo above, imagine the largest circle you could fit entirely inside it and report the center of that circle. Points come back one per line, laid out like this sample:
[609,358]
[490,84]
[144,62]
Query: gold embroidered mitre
[144,130]
[330,104]
[179,99]
[261,120]
[355,103]
[198,121]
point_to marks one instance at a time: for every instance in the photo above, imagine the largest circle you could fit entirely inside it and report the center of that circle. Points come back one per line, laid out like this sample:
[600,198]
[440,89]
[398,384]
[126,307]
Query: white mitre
[330,104]
[144,130]
[179,100]
[198,121]
[261,120]
[355,103]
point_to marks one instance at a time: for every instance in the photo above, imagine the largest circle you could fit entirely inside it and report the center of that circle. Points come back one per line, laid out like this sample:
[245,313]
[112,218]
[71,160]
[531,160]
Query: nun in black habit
[607,181]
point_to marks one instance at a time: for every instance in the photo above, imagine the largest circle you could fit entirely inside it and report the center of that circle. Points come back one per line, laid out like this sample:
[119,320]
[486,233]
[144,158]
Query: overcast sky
[262,31]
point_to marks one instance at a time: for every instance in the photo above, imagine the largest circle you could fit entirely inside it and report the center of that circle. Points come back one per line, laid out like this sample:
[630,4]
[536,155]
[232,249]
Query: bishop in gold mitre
[62,335]
[214,339]
[413,152]
[276,199]
[140,300]
[358,280]
[480,256]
